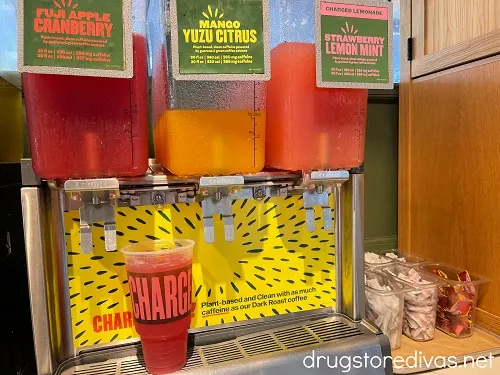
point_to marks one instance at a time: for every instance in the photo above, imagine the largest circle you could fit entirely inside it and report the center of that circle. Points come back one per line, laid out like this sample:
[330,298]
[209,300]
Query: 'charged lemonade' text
[221,32]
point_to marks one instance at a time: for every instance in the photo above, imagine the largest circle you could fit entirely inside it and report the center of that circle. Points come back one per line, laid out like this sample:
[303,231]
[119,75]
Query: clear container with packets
[420,304]
[384,304]
[457,298]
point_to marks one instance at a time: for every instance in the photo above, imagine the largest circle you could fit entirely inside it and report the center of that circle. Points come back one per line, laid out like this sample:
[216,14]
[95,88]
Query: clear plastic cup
[384,304]
[420,306]
[159,278]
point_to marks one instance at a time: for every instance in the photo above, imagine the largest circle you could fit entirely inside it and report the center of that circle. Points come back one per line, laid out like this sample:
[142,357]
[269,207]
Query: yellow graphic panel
[274,266]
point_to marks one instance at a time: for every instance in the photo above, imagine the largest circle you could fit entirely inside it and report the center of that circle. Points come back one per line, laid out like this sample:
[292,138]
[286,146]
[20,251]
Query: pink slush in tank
[90,127]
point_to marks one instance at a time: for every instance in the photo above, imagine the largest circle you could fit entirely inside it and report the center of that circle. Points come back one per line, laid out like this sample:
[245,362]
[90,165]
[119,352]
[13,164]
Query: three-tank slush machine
[257,160]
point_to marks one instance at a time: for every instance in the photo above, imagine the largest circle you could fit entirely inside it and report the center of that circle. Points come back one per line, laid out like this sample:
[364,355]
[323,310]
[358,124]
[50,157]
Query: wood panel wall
[449,140]
[453,187]
[450,22]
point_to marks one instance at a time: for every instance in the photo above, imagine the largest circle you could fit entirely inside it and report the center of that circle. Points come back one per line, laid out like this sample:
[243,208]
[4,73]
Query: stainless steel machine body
[267,345]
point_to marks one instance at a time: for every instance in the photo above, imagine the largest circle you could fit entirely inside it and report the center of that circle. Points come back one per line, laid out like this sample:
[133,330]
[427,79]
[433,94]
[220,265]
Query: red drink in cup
[159,278]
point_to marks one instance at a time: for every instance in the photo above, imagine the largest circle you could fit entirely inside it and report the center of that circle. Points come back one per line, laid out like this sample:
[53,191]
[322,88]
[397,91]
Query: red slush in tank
[310,127]
[159,278]
[85,127]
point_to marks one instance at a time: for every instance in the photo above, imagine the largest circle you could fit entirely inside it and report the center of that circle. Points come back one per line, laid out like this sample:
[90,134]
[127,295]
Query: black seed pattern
[235,288]
[270,209]
[255,251]
[198,291]
[164,230]
[164,215]
[189,222]
[251,211]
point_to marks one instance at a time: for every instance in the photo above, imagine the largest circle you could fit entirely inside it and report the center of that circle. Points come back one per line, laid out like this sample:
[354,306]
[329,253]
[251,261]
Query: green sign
[220,39]
[80,37]
[354,43]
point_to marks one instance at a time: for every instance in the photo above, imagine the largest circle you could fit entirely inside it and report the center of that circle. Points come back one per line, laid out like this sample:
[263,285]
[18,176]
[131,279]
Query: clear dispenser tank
[202,127]
[308,127]
[85,127]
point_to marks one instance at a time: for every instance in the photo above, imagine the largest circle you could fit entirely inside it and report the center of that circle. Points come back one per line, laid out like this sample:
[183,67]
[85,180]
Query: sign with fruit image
[274,266]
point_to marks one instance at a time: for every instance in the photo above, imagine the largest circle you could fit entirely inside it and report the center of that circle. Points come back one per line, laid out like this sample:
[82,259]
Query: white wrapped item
[419,320]
[395,257]
[372,258]
[385,308]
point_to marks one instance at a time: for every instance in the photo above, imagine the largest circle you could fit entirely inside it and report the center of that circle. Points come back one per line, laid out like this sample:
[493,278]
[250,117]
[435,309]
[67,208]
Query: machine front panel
[274,266]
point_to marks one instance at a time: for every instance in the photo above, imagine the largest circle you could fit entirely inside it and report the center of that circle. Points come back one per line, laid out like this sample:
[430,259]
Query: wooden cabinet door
[449,142]
[448,33]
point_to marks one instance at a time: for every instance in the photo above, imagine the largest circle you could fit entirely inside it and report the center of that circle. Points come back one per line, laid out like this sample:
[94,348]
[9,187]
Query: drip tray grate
[259,344]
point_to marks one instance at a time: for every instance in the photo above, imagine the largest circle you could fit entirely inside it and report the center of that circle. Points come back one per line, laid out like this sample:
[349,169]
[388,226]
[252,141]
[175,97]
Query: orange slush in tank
[310,127]
[211,142]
